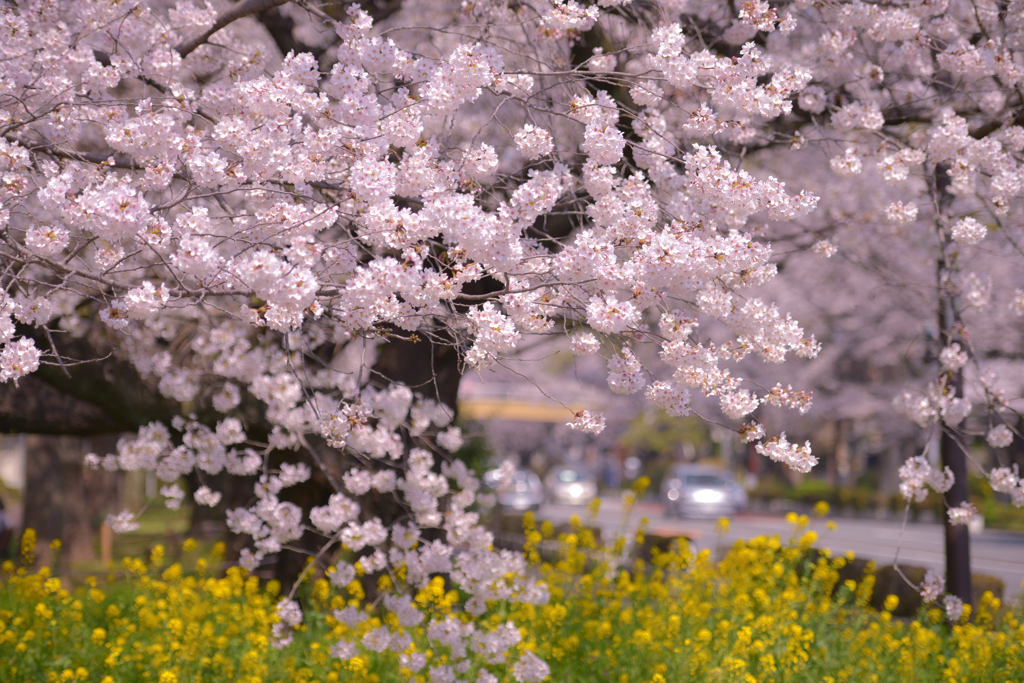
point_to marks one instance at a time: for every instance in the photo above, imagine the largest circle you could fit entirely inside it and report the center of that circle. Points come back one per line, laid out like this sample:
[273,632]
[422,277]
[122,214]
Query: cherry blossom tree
[925,113]
[294,256]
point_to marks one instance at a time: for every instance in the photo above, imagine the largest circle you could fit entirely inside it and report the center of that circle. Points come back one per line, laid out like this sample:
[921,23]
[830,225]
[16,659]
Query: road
[993,552]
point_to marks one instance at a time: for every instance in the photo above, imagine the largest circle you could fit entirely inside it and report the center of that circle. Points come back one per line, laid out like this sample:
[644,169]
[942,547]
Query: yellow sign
[516,411]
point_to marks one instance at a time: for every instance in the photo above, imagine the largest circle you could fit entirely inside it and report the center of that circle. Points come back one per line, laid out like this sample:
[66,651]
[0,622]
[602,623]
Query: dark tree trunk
[958,540]
[428,368]
[63,500]
[958,537]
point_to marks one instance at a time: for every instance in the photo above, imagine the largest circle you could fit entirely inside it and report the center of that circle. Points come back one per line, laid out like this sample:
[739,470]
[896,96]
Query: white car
[523,492]
[571,485]
[694,491]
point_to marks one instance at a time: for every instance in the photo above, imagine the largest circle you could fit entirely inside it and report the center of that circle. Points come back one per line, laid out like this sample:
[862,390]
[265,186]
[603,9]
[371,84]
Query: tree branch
[35,407]
[242,9]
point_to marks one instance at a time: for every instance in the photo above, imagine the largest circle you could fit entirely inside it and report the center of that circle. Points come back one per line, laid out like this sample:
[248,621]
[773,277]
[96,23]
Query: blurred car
[571,485]
[694,491]
[524,490]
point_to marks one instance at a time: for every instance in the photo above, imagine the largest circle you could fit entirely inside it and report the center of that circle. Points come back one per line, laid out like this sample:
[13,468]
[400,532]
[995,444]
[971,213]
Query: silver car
[694,491]
[523,492]
[571,485]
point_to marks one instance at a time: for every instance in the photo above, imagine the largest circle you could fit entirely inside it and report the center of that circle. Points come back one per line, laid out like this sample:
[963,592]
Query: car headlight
[708,496]
[575,490]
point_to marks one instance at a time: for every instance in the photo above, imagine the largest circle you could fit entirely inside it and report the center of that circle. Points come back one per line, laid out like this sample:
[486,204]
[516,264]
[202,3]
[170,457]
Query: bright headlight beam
[708,496]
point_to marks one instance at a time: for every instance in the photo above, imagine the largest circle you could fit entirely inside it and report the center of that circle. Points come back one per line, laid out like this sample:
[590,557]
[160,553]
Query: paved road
[997,553]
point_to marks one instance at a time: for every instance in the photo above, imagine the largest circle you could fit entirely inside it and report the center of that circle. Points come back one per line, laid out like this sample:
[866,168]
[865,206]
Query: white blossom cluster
[917,476]
[933,587]
[939,404]
[19,357]
[798,458]
[1007,480]
[962,514]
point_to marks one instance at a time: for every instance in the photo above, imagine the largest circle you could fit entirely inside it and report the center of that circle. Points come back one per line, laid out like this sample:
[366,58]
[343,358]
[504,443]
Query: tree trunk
[958,539]
[951,455]
[63,500]
[429,369]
